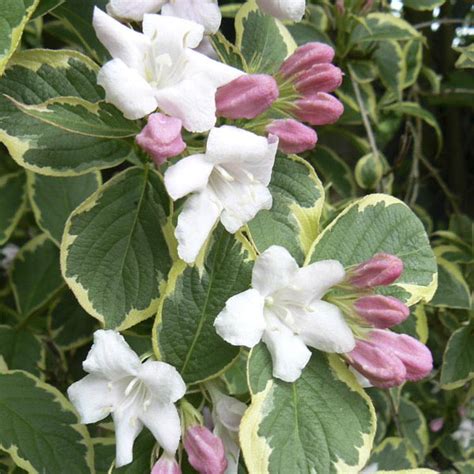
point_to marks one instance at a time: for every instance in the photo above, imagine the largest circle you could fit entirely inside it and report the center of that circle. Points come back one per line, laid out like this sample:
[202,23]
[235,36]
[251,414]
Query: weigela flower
[229,182]
[293,136]
[159,69]
[284,309]
[135,394]
[166,465]
[283,9]
[205,450]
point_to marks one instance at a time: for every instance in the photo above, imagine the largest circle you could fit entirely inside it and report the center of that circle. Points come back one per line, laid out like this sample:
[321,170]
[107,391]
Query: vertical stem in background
[414,177]
[394,411]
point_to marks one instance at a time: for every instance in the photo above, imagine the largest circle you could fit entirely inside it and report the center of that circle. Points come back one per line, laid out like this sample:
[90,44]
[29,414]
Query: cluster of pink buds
[385,358]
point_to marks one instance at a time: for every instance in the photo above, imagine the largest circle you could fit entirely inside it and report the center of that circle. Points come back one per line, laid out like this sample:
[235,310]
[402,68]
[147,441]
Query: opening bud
[205,450]
[319,109]
[382,269]
[294,137]
[167,464]
[306,56]
[381,311]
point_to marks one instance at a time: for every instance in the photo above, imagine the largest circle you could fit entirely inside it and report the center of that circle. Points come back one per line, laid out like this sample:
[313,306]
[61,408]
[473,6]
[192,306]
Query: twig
[395,414]
[441,21]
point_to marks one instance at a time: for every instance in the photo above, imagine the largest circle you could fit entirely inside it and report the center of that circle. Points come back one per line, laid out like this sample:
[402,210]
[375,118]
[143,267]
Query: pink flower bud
[247,96]
[205,451]
[436,425]
[166,465]
[382,269]
[161,137]
[306,56]
[294,137]
[383,368]
[381,311]
[319,78]
[415,356]
[319,109]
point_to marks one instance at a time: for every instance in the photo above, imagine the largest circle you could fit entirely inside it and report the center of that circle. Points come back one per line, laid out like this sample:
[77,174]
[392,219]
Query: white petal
[204,12]
[273,269]
[241,202]
[195,222]
[172,32]
[324,328]
[93,398]
[163,380]
[241,322]
[205,47]
[127,428]
[110,356]
[127,90]
[283,9]
[188,175]
[289,353]
[229,412]
[133,10]
[163,421]
[122,42]
[191,100]
[231,447]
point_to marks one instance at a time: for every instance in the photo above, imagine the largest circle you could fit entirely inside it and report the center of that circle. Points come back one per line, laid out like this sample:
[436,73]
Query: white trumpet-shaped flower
[283,9]
[158,69]
[284,309]
[135,394]
[229,182]
[204,12]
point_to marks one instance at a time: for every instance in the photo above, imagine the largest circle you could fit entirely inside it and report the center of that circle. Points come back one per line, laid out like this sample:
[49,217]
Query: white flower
[228,182]
[9,253]
[465,433]
[283,9]
[284,309]
[159,69]
[135,394]
[204,12]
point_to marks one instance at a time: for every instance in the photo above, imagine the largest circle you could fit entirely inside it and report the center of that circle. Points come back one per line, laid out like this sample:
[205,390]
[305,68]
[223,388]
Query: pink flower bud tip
[319,78]
[161,137]
[294,137]
[381,311]
[166,465]
[205,451]
[247,96]
[436,425]
[306,56]
[319,109]
[382,269]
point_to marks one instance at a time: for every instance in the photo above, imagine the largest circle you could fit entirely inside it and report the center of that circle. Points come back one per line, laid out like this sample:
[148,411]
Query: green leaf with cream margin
[34,77]
[14,15]
[263,40]
[323,422]
[381,223]
[12,203]
[184,333]
[293,220]
[393,453]
[40,429]
[114,252]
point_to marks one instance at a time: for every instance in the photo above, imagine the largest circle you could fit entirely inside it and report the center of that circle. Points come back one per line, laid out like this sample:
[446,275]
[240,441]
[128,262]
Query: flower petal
[195,222]
[110,357]
[324,328]
[133,10]
[204,12]
[121,42]
[127,428]
[127,90]
[283,9]
[289,353]
[163,380]
[188,175]
[241,322]
[162,420]
[93,398]
[273,269]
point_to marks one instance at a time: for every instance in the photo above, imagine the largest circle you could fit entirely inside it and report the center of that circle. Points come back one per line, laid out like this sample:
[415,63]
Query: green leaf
[33,77]
[334,170]
[184,333]
[458,359]
[263,40]
[12,203]
[423,4]
[363,70]
[305,32]
[14,15]
[391,63]
[228,53]
[35,276]
[39,427]
[293,220]
[466,60]
[382,223]
[78,116]
[53,199]
[46,6]
[21,349]
[368,171]
[413,60]
[466,467]
[393,453]
[116,265]
[323,422]
[416,325]
[413,426]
